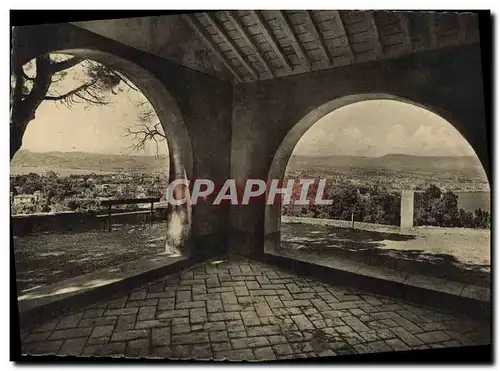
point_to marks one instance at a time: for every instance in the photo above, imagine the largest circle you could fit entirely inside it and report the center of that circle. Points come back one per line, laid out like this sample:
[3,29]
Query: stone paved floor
[246,310]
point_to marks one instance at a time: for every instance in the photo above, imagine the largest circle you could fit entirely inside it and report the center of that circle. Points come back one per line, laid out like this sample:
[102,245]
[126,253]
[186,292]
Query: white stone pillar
[407,201]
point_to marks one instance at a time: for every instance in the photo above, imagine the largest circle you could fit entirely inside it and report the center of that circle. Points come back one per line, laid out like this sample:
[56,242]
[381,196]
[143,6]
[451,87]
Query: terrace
[98,293]
[238,309]
[457,254]
[49,257]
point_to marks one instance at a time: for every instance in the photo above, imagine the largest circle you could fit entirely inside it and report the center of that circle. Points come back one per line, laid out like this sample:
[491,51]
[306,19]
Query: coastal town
[33,193]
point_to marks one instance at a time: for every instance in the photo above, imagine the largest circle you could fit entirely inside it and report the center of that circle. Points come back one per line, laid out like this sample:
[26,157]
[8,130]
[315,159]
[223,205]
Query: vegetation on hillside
[374,204]
[438,208]
[81,192]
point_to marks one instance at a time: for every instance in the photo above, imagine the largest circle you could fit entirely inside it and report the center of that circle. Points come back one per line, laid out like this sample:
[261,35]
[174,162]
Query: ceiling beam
[462,27]
[318,35]
[432,27]
[244,33]
[343,33]
[198,28]
[220,30]
[473,28]
[405,29]
[296,43]
[268,34]
[379,48]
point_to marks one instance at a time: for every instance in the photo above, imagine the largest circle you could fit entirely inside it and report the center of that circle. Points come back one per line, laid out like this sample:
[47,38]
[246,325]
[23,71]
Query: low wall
[423,230]
[69,221]
[341,223]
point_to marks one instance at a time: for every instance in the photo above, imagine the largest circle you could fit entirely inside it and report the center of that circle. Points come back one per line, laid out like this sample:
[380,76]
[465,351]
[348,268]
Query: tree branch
[149,132]
[89,100]
[26,77]
[143,134]
[23,110]
[61,77]
[87,92]
[29,92]
[124,80]
[17,93]
[64,65]
[68,94]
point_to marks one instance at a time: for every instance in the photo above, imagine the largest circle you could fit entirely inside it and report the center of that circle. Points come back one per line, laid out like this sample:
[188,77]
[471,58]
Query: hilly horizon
[111,162]
[386,155]
[25,151]
[466,165]
[88,161]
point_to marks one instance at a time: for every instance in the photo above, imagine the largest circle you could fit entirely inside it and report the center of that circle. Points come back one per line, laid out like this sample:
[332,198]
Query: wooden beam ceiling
[379,48]
[296,44]
[220,30]
[343,33]
[195,25]
[271,39]
[433,36]
[248,38]
[256,45]
[405,29]
[318,35]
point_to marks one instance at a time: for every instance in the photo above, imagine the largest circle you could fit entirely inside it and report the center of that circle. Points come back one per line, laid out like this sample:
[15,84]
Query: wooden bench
[130,201]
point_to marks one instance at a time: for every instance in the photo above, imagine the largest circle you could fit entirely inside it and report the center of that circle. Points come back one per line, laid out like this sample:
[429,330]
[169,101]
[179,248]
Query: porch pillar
[407,201]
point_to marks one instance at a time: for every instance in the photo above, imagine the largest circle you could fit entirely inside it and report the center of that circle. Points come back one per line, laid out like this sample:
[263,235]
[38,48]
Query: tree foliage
[375,204]
[69,81]
[81,193]
[147,129]
[435,208]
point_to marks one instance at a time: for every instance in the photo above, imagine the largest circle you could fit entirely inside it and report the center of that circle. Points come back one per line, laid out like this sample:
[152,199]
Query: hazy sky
[98,129]
[379,127]
[371,128]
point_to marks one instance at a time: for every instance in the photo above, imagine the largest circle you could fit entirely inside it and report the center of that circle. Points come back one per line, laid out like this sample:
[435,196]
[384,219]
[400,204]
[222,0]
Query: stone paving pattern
[246,310]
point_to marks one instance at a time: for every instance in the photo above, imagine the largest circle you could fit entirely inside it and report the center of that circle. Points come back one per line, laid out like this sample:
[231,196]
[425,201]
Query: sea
[470,201]
[22,170]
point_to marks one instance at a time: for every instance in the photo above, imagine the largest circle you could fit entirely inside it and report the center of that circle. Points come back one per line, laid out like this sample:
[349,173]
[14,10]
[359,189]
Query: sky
[380,127]
[95,129]
[370,128]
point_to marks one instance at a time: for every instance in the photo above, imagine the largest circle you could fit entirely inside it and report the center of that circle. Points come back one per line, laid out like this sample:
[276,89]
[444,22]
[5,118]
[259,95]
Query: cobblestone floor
[246,310]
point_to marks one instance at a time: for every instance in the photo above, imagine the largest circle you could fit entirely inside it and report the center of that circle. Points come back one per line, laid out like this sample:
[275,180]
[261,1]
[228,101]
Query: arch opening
[370,161]
[176,149]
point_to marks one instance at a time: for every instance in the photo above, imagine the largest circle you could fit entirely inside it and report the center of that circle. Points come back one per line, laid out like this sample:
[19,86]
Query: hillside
[466,165]
[88,161]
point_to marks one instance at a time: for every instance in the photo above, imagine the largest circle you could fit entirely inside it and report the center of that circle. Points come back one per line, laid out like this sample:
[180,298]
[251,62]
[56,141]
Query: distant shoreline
[23,170]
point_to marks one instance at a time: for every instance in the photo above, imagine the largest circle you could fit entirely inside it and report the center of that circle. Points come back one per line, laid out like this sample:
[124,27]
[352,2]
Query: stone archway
[272,213]
[173,124]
